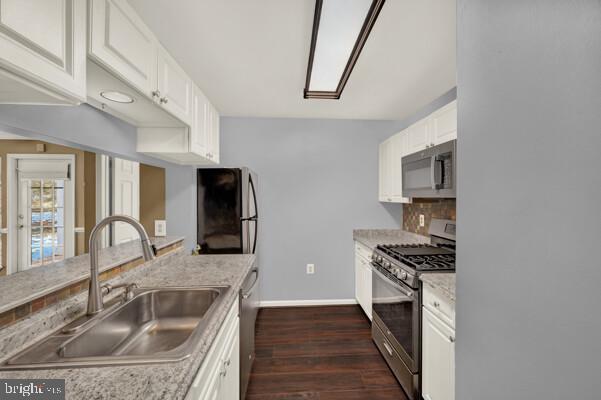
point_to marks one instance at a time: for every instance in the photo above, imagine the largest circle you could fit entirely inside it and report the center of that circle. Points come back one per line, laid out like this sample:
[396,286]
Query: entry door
[45,211]
[126,198]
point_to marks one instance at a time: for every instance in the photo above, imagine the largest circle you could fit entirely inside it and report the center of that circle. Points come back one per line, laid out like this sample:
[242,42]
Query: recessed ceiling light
[117,97]
[340,30]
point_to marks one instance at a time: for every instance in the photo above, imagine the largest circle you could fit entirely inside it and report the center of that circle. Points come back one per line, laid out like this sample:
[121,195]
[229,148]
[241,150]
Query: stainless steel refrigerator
[227,211]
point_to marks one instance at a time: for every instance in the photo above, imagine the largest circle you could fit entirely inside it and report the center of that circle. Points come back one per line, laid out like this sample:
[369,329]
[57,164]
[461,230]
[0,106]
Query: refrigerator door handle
[253,218]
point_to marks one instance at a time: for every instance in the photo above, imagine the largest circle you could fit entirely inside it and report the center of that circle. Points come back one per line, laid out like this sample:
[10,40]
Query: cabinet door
[45,41]
[230,386]
[418,136]
[199,135]
[121,42]
[214,134]
[385,170]
[366,282]
[444,124]
[358,279]
[382,172]
[175,88]
[438,359]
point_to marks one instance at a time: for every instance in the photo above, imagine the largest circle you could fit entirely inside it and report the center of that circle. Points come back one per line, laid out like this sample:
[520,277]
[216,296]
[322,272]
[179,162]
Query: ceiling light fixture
[117,97]
[340,30]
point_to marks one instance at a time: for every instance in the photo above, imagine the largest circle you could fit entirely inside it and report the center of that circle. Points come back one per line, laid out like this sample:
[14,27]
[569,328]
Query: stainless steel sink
[156,325]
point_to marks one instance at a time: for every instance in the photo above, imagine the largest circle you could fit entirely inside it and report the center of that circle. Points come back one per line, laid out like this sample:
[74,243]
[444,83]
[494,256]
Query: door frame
[12,197]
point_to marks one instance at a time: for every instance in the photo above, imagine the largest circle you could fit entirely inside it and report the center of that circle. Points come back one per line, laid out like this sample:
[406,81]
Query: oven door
[431,172]
[396,309]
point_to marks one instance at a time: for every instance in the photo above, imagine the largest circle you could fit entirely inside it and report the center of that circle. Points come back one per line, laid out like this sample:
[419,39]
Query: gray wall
[87,128]
[529,200]
[318,180]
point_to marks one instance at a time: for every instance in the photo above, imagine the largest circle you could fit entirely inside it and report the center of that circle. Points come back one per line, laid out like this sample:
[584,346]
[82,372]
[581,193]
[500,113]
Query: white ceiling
[250,56]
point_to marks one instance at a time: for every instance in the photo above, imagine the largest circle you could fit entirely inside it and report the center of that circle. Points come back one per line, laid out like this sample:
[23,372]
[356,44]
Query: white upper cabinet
[390,166]
[174,87]
[43,51]
[199,134]
[444,124]
[439,127]
[418,136]
[121,42]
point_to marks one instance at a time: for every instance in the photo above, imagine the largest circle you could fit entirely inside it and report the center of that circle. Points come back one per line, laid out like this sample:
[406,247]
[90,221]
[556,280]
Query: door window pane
[47,212]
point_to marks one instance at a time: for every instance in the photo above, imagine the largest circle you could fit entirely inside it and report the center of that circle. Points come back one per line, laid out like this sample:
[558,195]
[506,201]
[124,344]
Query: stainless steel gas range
[397,299]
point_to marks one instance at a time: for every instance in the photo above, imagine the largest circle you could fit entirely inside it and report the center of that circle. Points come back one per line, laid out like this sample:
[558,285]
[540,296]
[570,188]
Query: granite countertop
[156,381]
[18,289]
[373,237]
[443,282]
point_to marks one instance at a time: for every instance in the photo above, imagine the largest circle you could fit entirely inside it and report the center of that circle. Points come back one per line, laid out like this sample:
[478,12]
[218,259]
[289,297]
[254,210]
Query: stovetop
[421,257]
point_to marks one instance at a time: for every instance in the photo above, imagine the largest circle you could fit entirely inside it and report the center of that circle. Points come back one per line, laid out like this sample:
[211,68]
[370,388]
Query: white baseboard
[306,303]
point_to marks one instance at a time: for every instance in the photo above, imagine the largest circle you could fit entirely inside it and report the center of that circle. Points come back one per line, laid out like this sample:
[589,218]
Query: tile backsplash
[430,208]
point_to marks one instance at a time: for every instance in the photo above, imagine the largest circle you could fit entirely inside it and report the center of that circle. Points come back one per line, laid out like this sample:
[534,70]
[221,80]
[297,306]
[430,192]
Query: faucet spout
[95,303]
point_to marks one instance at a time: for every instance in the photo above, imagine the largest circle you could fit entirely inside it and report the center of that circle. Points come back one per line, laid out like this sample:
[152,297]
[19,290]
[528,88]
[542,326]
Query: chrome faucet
[95,303]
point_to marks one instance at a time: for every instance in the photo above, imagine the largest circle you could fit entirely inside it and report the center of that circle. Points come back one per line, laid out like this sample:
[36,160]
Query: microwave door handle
[433,172]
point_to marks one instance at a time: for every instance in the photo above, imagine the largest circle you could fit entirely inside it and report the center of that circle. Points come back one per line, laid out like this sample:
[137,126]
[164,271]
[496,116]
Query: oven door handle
[405,291]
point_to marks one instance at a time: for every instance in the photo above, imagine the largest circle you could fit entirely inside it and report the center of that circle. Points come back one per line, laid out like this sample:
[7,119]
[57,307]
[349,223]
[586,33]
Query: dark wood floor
[318,353]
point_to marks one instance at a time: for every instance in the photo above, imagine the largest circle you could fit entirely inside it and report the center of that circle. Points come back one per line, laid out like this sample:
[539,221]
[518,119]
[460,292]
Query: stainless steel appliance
[249,307]
[227,211]
[431,172]
[397,299]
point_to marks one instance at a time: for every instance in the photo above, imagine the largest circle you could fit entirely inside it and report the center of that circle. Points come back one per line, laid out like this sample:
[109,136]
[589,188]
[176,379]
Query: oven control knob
[386,264]
[403,275]
[379,258]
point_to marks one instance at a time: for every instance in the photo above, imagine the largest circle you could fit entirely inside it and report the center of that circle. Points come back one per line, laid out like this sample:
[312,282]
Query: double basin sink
[156,325]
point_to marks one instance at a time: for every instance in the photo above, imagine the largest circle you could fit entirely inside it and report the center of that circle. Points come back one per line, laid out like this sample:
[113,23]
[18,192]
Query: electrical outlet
[160,227]
[422,220]
[310,268]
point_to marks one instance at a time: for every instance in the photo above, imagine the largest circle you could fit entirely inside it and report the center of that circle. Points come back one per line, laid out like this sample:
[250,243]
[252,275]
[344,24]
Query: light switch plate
[310,268]
[422,221]
[160,227]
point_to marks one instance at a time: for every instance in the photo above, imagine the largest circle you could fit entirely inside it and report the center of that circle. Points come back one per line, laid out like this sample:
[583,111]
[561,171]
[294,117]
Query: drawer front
[439,305]
[363,250]
[409,381]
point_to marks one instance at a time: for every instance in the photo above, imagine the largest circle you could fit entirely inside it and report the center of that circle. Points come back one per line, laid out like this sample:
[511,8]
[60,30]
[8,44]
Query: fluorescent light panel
[340,28]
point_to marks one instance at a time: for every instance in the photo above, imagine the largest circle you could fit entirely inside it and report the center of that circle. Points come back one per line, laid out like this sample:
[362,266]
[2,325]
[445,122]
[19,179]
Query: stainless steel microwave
[431,172]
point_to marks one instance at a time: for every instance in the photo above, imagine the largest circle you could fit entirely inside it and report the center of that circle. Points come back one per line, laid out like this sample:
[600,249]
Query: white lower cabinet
[219,375]
[363,278]
[438,354]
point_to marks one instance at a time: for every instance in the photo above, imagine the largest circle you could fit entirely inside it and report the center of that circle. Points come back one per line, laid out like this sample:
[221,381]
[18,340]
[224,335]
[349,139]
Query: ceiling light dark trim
[370,20]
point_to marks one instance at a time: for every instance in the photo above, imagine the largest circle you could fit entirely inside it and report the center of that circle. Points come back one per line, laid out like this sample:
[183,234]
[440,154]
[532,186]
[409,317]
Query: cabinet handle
[451,339]
[156,93]
[164,100]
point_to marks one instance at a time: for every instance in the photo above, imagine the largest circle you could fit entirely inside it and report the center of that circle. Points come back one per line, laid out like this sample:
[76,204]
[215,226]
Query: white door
[418,136]
[175,87]
[126,198]
[120,41]
[45,210]
[438,359]
[46,40]
[444,124]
